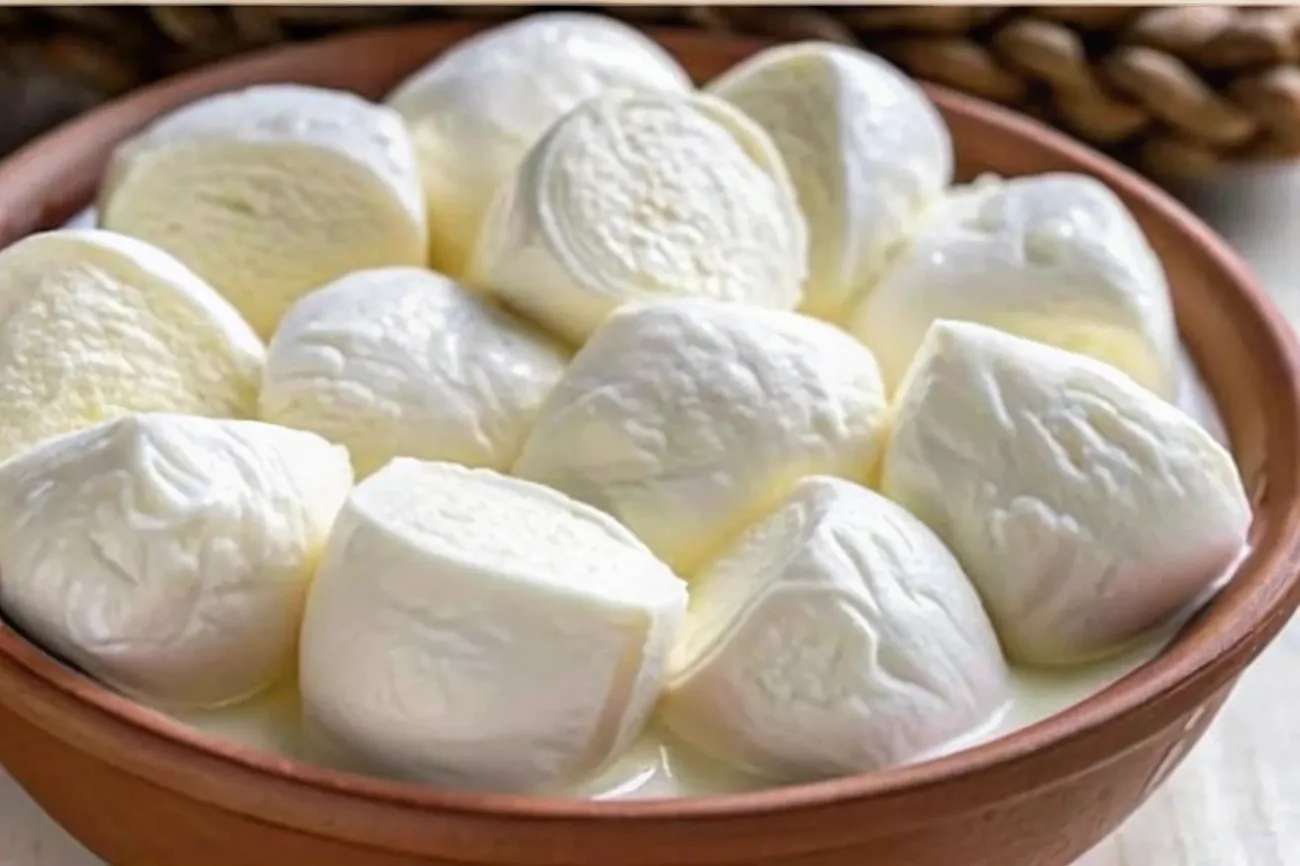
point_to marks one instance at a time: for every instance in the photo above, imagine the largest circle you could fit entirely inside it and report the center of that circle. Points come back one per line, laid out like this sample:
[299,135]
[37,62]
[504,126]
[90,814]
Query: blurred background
[1176,91]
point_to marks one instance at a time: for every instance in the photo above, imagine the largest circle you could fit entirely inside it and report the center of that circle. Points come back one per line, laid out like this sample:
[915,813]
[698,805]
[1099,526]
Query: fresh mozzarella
[838,635]
[639,195]
[169,555]
[866,149]
[476,109]
[477,630]
[1053,257]
[688,419]
[95,325]
[405,362]
[1085,509]
[270,192]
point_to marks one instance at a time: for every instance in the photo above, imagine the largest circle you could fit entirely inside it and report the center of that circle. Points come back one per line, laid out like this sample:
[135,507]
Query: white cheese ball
[1085,509]
[866,149]
[95,325]
[269,192]
[477,108]
[686,420]
[405,362]
[636,196]
[837,635]
[169,555]
[1055,258]
[476,630]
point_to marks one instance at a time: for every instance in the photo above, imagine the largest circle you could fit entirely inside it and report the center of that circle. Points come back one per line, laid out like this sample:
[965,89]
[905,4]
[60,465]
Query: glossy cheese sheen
[659,765]
[169,555]
[866,149]
[837,635]
[272,191]
[476,109]
[472,629]
[1085,509]
[405,362]
[637,196]
[1052,257]
[95,325]
[686,420]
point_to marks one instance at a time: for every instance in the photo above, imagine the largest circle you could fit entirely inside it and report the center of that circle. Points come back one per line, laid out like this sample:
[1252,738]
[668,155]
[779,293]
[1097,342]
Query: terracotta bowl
[141,791]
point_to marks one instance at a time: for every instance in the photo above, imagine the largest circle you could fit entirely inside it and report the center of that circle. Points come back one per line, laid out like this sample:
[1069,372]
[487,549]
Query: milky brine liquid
[658,767]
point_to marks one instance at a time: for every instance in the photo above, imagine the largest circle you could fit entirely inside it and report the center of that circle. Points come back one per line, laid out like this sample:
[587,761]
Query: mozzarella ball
[477,630]
[405,362]
[95,325]
[636,196]
[866,149]
[272,191]
[686,420]
[837,635]
[476,109]
[1085,509]
[1054,258]
[169,555]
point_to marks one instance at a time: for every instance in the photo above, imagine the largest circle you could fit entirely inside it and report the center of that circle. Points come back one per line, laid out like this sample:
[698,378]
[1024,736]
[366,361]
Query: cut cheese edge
[480,631]
[95,325]
[272,191]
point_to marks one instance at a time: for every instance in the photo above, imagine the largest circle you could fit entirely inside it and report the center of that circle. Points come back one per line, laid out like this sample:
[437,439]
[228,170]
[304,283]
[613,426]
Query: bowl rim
[1258,615]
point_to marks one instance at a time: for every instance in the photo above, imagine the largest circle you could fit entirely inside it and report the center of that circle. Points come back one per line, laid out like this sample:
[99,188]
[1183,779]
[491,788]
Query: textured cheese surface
[687,419]
[403,361]
[1053,257]
[271,191]
[838,635]
[1236,797]
[477,630]
[169,555]
[866,149]
[1086,509]
[95,325]
[476,110]
[636,196]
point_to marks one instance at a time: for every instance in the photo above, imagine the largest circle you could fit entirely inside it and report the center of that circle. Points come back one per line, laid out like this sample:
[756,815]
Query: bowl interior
[1240,343]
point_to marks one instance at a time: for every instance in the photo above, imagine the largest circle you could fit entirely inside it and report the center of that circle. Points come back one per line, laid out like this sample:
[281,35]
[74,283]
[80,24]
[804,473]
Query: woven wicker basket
[1172,90]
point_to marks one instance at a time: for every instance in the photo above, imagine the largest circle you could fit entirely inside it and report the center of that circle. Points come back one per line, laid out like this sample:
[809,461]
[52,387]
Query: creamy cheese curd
[687,420]
[640,195]
[169,555]
[1053,257]
[1086,509]
[865,147]
[477,630]
[405,362]
[837,635]
[95,325]
[270,192]
[658,765]
[477,108]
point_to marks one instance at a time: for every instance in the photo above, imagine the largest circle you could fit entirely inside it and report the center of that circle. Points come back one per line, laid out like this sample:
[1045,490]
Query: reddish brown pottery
[141,791]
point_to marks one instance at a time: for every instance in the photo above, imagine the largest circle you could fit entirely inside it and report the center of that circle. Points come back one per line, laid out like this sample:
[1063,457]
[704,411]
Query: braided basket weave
[1171,90]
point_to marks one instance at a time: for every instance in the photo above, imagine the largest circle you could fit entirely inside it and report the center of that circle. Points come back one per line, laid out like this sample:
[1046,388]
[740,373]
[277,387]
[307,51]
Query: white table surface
[1236,799]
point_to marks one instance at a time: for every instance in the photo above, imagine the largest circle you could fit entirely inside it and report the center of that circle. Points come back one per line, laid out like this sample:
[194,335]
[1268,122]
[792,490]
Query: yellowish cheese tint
[94,326]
